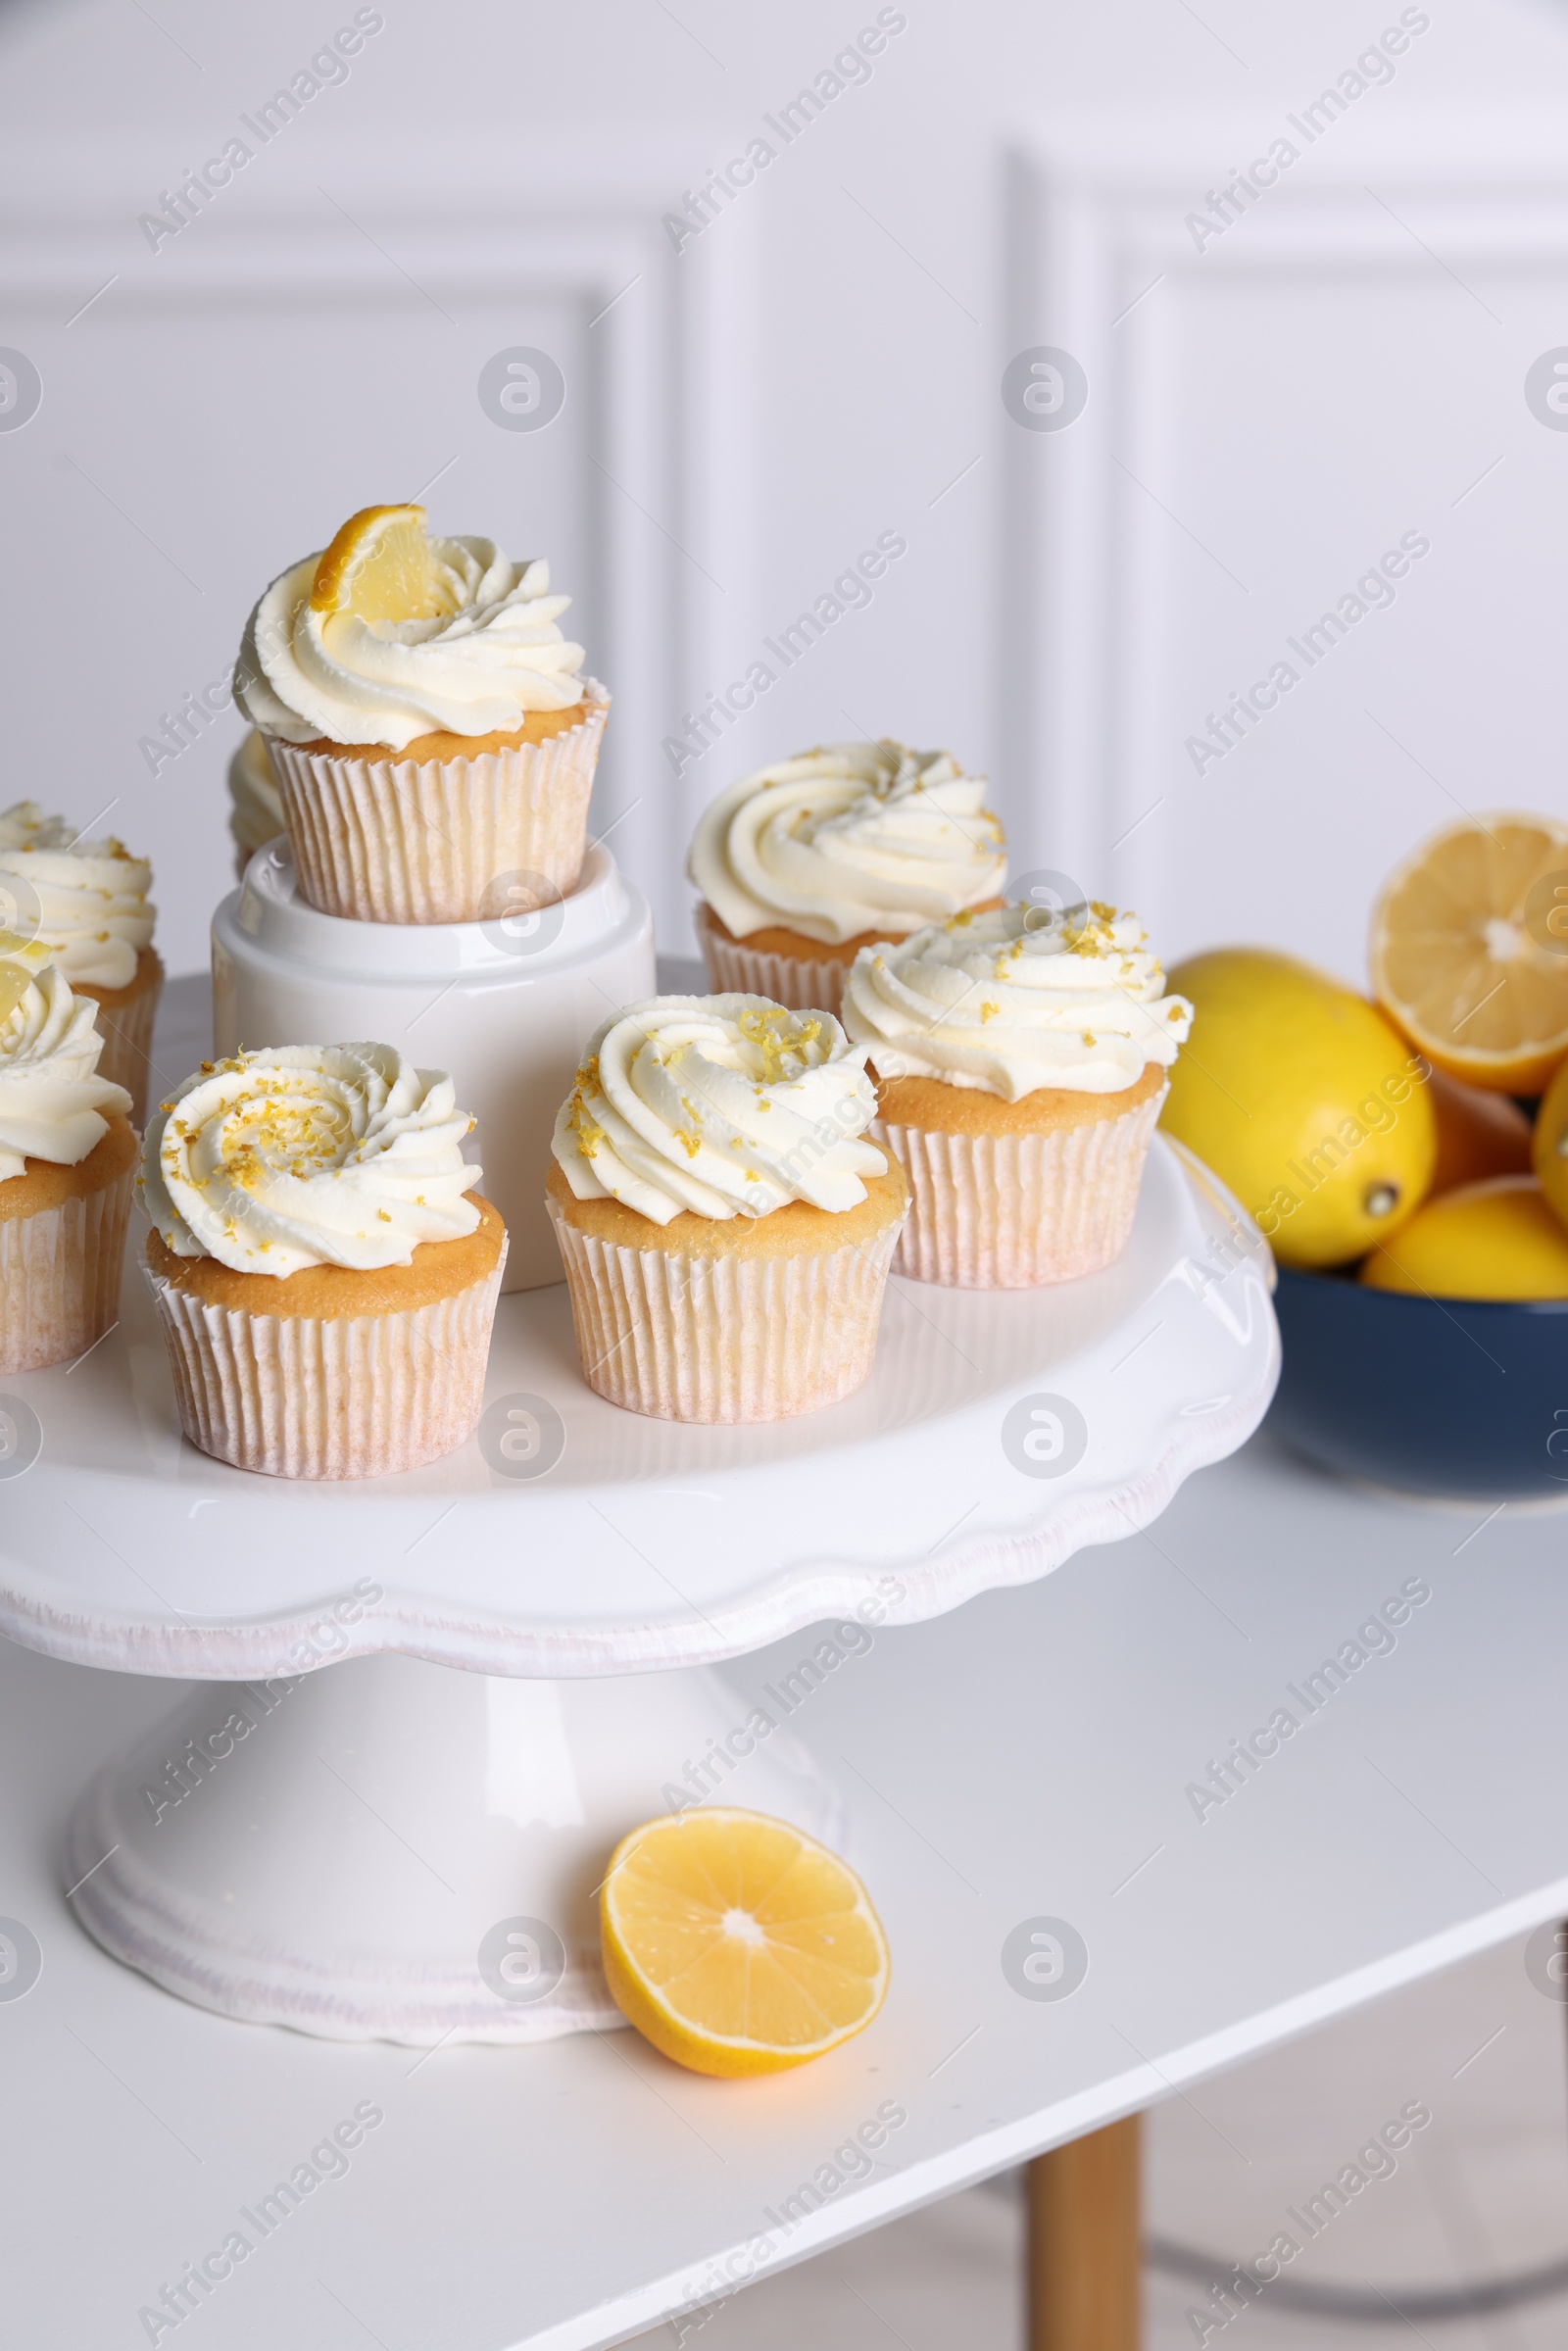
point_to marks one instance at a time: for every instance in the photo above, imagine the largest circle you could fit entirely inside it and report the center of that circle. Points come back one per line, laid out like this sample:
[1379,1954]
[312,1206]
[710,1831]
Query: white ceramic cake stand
[522,1638]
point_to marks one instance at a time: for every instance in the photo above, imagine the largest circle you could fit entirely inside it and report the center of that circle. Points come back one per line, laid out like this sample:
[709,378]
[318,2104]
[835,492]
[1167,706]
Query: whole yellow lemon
[1549,1143]
[1305,1100]
[1497,1240]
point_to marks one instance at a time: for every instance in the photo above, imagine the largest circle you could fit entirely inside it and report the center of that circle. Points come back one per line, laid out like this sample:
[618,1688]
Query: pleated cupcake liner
[392,839]
[802,985]
[128,1035]
[323,1396]
[725,1338]
[1014,1211]
[59,1275]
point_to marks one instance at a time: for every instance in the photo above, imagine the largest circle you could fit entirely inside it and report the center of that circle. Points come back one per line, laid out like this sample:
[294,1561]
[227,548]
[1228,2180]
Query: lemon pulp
[379,567]
[737,1944]
[1470,950]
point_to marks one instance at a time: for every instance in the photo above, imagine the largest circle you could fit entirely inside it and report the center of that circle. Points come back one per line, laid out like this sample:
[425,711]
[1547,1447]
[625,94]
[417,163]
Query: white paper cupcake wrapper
[803,986]
[1012,1211]
[128,1035]
[723,1339]
[60,1276]
[404,841]
[307,1397]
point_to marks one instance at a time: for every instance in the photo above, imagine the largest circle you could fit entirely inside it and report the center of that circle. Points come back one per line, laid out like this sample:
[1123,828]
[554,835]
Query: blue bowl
[1451,1396]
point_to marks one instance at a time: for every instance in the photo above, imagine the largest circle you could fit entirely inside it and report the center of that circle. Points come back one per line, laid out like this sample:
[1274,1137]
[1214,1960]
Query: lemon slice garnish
[381,567]
[737,1944]
[20,960]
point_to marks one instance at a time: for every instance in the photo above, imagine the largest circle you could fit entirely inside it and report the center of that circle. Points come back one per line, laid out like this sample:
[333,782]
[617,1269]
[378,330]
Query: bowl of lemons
[1406,1152]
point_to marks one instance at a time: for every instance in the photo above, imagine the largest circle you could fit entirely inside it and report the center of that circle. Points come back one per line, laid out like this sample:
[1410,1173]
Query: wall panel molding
[1465,237]
[660,484]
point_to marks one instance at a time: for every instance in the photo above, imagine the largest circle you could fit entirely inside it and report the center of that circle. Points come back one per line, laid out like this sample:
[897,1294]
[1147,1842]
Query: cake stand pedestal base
[388,1849]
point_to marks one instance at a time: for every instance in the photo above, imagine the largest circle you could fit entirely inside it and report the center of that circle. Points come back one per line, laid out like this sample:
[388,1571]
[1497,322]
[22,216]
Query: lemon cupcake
[67,1156]
[804,864]
[725,1227]
[256,806]
[432,738]
[1022,1063]
[88,901]
[325,1272]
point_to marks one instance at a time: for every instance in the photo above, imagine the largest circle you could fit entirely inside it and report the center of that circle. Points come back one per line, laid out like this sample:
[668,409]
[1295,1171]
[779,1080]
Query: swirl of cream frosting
[256,815]
[53,1103]
[720,1106]
[1007,1002]
[91,897]
[492,655]
[309,1155]
[857,837]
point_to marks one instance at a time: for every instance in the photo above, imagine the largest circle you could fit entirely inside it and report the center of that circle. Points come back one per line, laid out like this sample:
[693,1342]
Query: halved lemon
[737,1944]
[379,567]
[1470,950]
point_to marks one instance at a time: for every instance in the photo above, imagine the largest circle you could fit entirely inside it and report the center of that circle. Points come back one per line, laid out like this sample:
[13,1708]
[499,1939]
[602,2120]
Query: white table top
[1027,1756]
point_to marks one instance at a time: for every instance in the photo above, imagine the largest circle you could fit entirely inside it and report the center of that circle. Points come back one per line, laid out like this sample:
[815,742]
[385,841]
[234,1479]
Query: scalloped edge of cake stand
[1222,1365]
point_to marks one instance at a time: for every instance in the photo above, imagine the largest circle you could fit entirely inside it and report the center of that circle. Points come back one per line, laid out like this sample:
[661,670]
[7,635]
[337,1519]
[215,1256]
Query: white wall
[815,368]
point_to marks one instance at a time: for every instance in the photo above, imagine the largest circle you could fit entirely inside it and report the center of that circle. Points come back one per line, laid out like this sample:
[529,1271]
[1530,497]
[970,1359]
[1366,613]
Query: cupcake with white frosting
[256,806]
[434,738]
[88,901]
[67,1151]
[1022,1063]
[325,1272]
[802,865]
[725,1225]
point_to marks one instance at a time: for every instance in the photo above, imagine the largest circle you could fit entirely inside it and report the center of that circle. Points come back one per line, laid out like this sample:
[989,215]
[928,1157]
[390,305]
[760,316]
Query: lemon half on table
[737,1944]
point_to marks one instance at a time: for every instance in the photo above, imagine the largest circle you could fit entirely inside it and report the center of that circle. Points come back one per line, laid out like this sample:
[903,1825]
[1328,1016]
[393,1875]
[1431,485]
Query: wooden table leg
[1085,2243]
